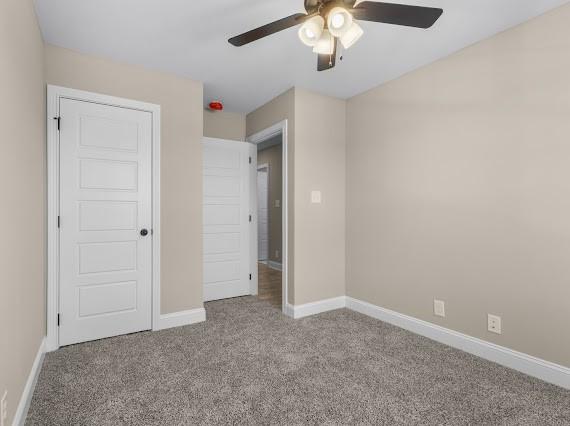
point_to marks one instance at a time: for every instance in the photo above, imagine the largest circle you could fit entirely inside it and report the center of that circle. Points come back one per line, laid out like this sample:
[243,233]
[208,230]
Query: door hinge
[58,221]
[58,320]
[250,277]
[58,122]
[249,160]
[250,218]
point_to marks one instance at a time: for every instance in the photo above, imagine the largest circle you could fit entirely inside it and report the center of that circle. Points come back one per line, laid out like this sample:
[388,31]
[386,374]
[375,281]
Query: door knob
[144,232]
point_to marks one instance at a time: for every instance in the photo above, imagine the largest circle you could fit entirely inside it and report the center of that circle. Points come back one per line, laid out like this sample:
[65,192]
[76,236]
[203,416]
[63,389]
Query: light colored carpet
[248,364]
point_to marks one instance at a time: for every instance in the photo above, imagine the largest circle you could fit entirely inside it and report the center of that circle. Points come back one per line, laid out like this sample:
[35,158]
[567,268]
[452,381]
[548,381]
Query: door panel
[105,200]
[107,298]
[108,175]
[226,219]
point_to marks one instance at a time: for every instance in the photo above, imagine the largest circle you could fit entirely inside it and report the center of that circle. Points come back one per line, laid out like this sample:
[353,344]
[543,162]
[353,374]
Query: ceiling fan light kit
[329,21]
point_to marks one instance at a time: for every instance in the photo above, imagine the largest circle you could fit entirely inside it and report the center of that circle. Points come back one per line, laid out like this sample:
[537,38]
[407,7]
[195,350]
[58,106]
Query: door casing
[263,135]
[54,94]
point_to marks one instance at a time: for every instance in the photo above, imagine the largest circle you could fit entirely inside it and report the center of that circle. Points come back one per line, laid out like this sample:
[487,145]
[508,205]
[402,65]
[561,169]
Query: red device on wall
[216,106]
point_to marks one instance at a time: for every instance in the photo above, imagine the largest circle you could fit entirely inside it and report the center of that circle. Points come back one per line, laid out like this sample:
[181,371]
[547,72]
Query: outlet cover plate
[439,308]
[494,323]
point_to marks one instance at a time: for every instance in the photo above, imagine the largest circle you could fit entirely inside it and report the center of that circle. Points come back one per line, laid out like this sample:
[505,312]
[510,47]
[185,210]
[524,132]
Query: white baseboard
[532,366]
[28,392]
[308,309]
[289,310]
[275,265]
[178,319]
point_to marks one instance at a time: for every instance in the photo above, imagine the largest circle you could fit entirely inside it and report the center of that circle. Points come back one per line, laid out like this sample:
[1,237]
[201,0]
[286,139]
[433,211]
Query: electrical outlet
[494,323]
[4,409]
[439,308]
[277,203]
[276,254]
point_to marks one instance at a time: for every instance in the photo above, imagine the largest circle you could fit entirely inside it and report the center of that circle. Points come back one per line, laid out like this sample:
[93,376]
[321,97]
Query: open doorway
[269,220]
[271,213]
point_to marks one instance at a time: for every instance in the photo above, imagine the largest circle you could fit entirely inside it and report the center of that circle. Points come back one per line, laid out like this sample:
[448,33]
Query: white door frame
[54,94]
[255,139]
[259,167]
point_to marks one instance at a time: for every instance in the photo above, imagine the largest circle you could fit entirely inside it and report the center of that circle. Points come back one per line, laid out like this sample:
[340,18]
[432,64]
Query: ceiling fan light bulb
[352,35]
[339,21]
[310,32]
[325,45]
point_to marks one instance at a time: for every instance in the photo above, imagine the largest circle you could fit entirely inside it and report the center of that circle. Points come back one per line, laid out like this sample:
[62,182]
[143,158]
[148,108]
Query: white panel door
[262,212]
[105,203]
[226,219]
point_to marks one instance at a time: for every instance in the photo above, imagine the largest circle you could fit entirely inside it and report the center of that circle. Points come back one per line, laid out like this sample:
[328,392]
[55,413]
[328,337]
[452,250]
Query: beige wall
[224,125]
[22,169]
[181,159]
[320,160]
[459,189]
[316,156]
[272,156]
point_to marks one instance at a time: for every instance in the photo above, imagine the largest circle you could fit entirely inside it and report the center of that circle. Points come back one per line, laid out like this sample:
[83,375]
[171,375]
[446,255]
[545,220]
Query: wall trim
[527,364]
[289,310]
[54,94]
[28,392]
[313,308]
[178,319]
[275,265]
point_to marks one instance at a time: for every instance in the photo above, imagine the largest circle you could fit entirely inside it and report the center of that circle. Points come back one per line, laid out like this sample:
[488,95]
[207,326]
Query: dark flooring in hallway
[269,285]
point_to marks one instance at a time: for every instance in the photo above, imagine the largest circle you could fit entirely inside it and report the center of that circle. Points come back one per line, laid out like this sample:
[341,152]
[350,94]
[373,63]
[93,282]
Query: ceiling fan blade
[397,14]
[266,30]
[327,62]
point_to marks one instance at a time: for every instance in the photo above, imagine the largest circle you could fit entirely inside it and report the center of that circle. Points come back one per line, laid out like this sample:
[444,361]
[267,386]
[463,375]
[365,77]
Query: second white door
[226,219]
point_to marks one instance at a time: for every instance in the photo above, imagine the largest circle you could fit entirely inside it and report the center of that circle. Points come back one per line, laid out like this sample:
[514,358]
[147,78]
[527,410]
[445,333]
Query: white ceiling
[189,38]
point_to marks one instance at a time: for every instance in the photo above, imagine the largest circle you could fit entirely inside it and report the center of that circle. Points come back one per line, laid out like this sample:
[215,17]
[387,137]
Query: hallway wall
[224,125]
[272,157]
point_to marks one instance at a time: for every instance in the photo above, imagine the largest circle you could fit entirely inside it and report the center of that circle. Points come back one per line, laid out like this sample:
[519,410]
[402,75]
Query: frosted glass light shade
[339,21]
[311,31]
[352,35]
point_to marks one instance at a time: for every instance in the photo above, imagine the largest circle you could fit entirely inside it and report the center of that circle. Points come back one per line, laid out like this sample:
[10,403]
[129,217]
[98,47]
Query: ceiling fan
[329,21]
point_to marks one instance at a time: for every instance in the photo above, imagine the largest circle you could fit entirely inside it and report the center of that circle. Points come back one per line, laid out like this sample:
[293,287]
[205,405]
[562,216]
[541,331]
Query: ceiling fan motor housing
[313,6]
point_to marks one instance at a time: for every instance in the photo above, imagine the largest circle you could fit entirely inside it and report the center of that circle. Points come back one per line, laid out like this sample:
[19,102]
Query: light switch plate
[277,203]
[439,308]
[316,197]
[494,324]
